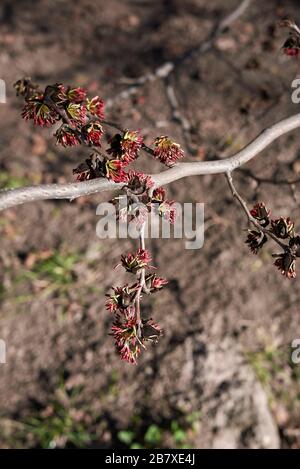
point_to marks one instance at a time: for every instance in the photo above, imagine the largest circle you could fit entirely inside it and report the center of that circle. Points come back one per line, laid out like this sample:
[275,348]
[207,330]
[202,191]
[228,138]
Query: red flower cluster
[139,183]
[167,151]
[81,122]
[68,105]
[155,283]
[92,134]
[66,136]
[291,46]
[95,107]
[125,333]
[121,298]
[94,167]
[166,208]
[126,147]
[278,229]
[159,195]
[130,331]
[286,263]
[133,263]
[283,227]
[39,112]
[76,95]
[114,171]
[256,240]
[128,340]
[261,213]
[76,113]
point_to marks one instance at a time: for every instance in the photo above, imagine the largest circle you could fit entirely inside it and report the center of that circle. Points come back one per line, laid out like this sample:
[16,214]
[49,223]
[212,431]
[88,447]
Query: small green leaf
[126,436]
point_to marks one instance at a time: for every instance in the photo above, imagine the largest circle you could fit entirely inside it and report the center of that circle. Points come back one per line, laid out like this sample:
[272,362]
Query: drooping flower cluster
[56,103]
[166,208]
[139,183]
[39,112]
[66,136]
[135,262]
[79,116]
[125,333]
[131,332]
[167,151]
[95,107]
[79,120]
[141,199]
[154,283]
[95,167]
[126,147]
[278,229]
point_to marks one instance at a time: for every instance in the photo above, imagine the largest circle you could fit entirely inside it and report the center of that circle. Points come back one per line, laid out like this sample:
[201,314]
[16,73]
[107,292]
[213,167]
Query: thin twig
[251,219]
[142,284]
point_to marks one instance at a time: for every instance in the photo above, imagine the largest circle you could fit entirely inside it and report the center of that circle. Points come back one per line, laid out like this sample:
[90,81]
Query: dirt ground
[221,376]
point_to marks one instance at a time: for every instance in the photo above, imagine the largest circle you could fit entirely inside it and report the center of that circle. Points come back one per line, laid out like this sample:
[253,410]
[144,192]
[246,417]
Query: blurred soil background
[221,376]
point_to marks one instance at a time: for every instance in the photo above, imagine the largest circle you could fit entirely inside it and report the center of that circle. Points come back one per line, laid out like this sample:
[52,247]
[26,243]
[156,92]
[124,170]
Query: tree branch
[251,219]
[11,197]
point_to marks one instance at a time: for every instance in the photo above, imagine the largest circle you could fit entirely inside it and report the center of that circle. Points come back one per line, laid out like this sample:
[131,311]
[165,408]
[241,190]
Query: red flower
[90,169]
[131,144]
[155,283]
[151,331]
[121,298]
[133,263]
[291,51]
[286,264]
[139,182]
[125,331]
[167,151]
[93,133]
[77,113]
[66,136]
[40,113]
[294,244]
[130,210]
[256,240]
[283,227]
[291,46]
[82,172]
[261,213]
[94,167]
[126,147]
[114,171]
[96,107]
[76,95]
[126,341]
[159,195]
[167,210]
[56,93]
